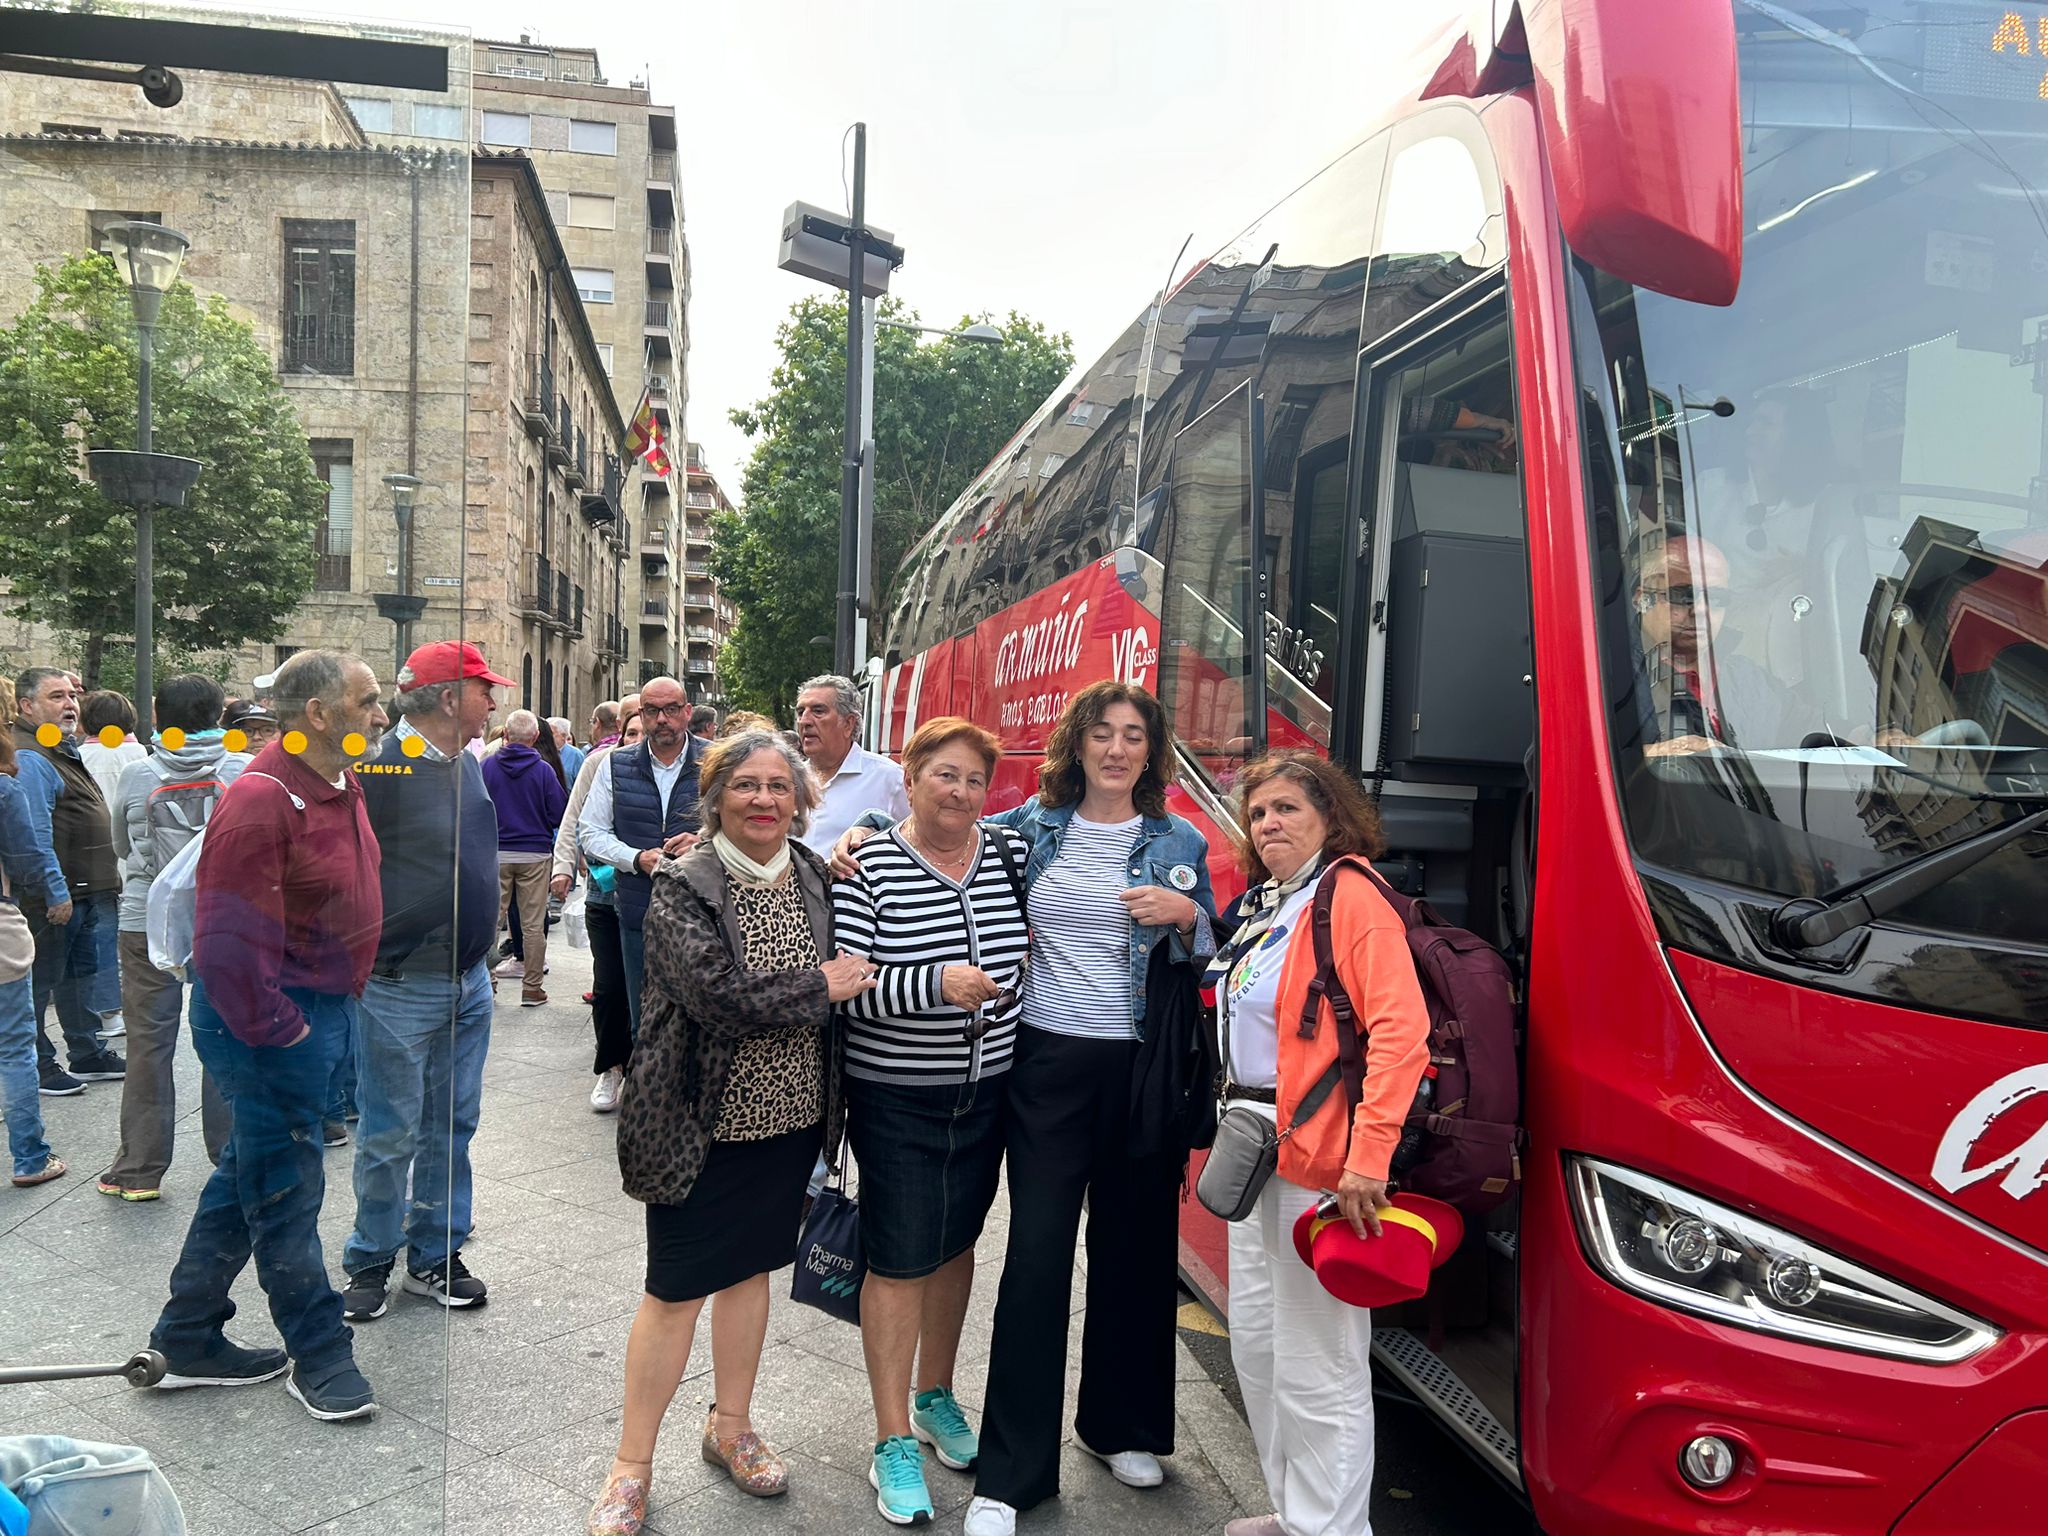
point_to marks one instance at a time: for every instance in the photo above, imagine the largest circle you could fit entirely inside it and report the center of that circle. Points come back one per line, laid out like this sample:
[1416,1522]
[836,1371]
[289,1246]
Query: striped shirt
[1080,981]
[912,922]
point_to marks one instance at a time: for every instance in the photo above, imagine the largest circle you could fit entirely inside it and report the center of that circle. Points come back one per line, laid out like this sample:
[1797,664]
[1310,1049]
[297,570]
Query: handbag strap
[1009,859]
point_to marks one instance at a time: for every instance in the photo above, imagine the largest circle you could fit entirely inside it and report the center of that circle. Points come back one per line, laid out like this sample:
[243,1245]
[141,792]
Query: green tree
[942,410]
[236,559]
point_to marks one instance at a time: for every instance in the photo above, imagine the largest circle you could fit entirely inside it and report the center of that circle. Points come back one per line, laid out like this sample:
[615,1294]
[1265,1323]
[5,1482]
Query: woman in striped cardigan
[937,905]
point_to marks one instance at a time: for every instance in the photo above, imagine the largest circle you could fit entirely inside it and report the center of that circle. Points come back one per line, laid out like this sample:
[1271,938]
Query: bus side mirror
[1640,107]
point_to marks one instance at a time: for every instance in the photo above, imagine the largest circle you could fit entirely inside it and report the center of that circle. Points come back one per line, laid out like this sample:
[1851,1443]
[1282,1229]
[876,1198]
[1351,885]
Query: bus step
[1403,1355]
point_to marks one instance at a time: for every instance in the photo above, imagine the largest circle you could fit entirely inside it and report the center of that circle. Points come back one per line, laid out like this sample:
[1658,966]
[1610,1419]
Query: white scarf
[1261,907]
[744,869]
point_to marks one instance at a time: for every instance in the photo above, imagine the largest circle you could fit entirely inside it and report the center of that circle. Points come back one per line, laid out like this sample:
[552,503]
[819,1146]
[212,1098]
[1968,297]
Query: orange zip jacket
[1371,950]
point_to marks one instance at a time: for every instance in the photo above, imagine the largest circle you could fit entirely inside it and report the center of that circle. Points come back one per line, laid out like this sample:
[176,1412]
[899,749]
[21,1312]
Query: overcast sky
[1048,156]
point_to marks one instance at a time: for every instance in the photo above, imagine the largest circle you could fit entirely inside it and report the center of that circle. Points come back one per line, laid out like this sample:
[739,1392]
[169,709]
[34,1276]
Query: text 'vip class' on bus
[1636,474]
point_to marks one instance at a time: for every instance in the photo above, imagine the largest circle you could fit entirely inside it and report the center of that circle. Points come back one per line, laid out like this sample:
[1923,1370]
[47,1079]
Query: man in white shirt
[828,711]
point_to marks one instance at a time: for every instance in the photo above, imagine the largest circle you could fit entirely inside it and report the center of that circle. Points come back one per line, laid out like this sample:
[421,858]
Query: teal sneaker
[936,1419]
[898,1480]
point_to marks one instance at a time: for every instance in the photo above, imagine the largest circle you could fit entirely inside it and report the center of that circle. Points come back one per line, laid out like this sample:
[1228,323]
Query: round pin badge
[1182,876]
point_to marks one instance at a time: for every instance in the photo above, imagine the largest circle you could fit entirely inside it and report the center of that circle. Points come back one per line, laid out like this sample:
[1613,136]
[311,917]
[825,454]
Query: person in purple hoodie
[530,801]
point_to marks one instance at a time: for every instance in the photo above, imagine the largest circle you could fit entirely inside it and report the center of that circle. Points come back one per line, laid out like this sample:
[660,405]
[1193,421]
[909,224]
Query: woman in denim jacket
[1110,875]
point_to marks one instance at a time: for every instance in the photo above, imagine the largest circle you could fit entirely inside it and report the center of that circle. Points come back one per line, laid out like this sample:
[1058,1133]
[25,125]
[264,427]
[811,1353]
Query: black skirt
[740,1219]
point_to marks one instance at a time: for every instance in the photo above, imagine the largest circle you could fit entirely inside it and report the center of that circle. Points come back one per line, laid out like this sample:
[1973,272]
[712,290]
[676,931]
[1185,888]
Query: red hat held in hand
[1417,1234]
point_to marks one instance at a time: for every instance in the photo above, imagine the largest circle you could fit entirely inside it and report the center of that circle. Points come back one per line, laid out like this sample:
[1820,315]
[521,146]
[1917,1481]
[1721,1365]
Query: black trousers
[1069,1125]
[609,1015]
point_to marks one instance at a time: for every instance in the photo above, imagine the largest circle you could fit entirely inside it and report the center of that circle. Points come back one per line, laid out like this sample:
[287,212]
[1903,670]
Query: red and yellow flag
[647,439]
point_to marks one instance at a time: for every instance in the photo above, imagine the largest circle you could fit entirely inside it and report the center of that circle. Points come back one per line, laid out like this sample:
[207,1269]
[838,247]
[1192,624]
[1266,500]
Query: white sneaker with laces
[509,968]
[989,1517]
[604,1098]
[1134,1469]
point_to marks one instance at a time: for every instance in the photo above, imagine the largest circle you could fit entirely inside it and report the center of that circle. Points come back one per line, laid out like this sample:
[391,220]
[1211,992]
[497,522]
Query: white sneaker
[112,1026]
[1134,1469]
[989,1517]
[604,1098]
[509,967]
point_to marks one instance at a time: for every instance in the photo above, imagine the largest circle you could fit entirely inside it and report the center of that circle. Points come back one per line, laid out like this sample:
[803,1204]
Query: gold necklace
[932,855]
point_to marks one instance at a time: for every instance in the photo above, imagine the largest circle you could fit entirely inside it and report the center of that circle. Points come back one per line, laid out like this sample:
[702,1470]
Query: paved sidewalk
[503,1420]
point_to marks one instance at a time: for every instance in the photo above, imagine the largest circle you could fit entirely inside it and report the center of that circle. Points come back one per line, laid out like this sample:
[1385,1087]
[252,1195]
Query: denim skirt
[928,1157]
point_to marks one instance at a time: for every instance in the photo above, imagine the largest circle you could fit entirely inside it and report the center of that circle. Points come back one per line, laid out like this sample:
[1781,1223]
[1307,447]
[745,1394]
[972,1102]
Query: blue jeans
[103,996]
[264,1197]
[633,947]
[421,1087]
[67,974]
[18,1080]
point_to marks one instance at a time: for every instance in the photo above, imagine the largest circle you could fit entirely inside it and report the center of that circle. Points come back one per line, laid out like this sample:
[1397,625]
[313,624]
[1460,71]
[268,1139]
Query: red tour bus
[1629,457]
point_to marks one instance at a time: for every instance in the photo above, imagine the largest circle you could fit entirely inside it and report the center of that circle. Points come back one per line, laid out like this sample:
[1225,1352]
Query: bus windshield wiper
[1812,921]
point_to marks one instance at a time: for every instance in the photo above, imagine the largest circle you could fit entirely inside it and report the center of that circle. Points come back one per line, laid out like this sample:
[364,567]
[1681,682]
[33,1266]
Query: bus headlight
[1685,1251]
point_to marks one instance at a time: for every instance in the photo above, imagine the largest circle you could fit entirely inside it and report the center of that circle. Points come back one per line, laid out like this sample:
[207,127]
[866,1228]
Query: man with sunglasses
[643,806]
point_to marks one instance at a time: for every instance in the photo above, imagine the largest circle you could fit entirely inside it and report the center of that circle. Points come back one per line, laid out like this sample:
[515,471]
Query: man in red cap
[420,1082]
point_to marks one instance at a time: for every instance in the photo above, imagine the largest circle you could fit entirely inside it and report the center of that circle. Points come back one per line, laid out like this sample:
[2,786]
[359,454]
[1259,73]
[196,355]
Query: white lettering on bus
[1051,645]
[1132,654]
[2025,1166]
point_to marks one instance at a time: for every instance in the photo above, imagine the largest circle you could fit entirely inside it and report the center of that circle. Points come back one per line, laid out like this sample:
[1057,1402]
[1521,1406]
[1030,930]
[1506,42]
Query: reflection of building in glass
[1960,636]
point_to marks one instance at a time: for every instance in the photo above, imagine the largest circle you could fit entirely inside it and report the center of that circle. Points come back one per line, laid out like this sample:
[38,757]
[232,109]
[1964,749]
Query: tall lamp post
[149,256]
[401,607]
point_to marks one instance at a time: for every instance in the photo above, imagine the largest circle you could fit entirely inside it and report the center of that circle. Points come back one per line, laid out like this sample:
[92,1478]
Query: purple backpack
[1462,1141]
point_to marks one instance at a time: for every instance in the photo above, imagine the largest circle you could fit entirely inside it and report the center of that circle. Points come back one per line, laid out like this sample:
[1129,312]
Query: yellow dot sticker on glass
[355,743]
[174,739]
[48,735]
[295,742]
[413,746]
[236,740]
[111,736]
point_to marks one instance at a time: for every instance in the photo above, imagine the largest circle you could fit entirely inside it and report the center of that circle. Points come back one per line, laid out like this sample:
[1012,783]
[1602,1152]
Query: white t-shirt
[1080,977]
[1253,987]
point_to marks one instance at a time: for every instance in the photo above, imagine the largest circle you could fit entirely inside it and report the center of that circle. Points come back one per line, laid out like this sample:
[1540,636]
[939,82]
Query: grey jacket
[201,757]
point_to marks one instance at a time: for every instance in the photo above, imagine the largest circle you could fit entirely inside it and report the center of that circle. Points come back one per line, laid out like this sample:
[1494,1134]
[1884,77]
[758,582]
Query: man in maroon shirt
[285,929]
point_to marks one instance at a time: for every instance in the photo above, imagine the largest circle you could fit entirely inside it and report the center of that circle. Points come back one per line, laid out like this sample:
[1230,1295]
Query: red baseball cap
[1417,1235]
[446,661]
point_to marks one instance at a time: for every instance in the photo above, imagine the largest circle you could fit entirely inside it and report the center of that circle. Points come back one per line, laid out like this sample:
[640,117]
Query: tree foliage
[237,558]
[942,410]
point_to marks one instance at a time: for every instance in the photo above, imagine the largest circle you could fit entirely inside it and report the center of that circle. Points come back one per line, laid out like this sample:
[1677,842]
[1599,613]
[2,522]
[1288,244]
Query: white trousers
[1304,1364]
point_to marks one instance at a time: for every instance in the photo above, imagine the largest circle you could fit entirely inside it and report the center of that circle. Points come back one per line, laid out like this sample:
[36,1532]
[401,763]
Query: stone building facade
[407,292]
[607,157]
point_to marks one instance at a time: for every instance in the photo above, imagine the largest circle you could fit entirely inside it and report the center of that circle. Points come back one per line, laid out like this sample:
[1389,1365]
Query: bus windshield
[1820,515]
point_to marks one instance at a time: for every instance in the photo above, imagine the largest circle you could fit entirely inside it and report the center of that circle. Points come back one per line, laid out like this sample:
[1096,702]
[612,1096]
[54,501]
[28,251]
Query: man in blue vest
[642,805]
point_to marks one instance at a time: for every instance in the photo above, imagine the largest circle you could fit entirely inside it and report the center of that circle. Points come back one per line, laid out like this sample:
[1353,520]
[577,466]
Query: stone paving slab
[502,1422]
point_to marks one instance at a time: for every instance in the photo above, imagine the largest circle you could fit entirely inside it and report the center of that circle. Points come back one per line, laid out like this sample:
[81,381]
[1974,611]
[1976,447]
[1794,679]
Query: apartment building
[424,319]
[707,614]
[606,154]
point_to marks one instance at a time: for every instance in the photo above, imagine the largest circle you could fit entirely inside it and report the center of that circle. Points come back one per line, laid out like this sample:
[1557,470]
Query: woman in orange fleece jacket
[1303,1357]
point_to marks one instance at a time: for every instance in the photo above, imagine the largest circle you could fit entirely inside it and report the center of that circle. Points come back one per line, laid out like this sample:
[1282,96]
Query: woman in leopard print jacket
[733,1088]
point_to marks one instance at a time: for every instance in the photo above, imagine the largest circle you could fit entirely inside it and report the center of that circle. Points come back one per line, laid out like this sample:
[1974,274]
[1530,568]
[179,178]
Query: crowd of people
[805,957]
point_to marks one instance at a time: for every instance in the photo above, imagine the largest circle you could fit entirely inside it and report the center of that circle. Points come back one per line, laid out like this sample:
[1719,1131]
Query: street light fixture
[980,331]
[149,256]
[401,607]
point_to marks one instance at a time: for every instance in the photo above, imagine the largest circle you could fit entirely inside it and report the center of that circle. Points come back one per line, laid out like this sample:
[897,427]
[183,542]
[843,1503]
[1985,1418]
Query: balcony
[536,596]
[574,614]
[654,613]
[659,338]
[696,568]
[702,634]
[651,486]
[577,470]
[700,668]
[601,501]
[702,501]
[539,401]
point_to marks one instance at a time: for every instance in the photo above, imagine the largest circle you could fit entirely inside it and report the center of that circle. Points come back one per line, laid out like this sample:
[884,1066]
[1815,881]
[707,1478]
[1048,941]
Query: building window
[592,212]
[374,115]
[513,128]
[102,217]
[604,356]
[594,138]
[280,654]
[335,540]
[526,682]
[437,122]
[319,296]
[593,284]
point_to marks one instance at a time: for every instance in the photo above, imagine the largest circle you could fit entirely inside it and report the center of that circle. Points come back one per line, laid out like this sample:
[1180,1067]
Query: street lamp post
[401,607]
[149,256]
